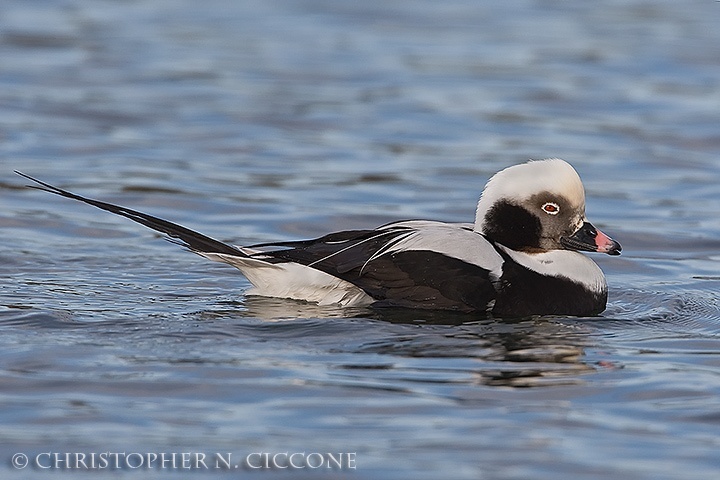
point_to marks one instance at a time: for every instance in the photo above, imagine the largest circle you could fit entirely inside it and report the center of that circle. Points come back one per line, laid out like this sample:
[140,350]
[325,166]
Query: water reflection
[517,353]
[531,352]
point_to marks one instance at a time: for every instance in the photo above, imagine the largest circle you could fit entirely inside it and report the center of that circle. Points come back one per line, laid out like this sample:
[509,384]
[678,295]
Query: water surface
[256,121]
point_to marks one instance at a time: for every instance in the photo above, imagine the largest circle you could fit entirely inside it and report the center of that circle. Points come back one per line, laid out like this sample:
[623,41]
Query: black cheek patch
[512,226]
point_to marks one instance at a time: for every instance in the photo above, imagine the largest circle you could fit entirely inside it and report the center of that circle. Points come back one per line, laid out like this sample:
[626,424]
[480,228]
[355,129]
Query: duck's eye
[551,208]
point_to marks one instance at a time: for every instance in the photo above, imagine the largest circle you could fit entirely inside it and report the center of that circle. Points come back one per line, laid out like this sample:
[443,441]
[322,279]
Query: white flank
[293,280]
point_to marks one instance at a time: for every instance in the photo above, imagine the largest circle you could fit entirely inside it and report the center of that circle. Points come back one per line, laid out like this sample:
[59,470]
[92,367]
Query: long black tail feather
[197,242]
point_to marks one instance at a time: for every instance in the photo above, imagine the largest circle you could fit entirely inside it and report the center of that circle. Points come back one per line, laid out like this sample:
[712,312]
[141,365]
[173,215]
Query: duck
[522,256]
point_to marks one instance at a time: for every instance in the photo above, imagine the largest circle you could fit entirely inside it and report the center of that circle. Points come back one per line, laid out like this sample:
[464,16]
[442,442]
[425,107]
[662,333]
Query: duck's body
[424,264]
[519,258]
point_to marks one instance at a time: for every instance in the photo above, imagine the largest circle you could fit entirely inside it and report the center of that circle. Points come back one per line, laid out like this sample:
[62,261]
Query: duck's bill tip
[590,239]
[605,244]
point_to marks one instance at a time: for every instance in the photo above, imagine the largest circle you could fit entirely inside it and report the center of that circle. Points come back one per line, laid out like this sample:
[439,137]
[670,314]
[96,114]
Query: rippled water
[256,121]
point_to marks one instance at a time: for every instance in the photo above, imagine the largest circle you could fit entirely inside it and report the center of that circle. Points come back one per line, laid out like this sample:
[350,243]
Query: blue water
[255,121]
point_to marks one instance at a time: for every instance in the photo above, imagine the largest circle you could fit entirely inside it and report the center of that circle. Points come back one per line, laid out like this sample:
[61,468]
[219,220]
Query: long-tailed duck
[520,257]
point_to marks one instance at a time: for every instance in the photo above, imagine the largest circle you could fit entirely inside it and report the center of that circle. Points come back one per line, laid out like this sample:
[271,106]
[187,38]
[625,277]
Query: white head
[533,205]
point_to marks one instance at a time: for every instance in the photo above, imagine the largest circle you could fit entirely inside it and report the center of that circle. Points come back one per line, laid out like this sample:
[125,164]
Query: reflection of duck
[530,352]
[520,257]
[389,348]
